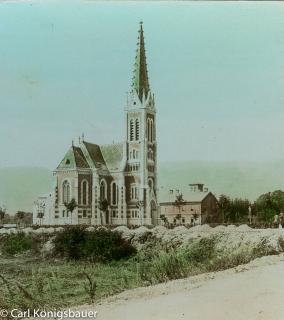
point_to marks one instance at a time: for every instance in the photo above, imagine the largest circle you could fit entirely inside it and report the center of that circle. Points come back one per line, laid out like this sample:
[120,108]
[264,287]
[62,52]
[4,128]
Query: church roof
[74,158]
[107,157]
[140,81]
[80,159]
[113,155]
[95,153]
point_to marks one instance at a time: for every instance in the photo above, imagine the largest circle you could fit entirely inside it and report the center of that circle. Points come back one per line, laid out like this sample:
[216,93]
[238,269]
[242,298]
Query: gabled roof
[74,158]
[166,196]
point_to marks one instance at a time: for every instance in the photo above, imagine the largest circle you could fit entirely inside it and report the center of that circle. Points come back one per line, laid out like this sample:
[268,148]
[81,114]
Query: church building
[113,184]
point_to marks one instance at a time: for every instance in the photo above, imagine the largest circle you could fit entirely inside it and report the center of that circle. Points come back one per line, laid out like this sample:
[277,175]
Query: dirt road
[253,291]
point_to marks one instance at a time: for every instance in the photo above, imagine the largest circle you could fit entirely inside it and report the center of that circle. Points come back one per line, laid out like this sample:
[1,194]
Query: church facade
[113,184]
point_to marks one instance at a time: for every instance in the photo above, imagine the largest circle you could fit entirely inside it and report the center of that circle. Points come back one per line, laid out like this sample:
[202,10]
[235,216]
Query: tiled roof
[74,158]
[113,155]
[105,156]
[80,159]
[95,154]
[165,195]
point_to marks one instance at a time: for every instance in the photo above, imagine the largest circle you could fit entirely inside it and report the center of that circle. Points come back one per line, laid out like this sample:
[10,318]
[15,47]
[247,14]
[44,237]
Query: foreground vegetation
[84,267]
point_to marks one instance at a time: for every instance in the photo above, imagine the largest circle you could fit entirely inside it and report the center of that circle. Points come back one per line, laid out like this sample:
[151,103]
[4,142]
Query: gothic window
[151,130]
[84,192]
[148,129]
[114,193]
[136,129]
[66,192]
[134,192]
[131,130]
[150,155]
[151,184]
[103,190]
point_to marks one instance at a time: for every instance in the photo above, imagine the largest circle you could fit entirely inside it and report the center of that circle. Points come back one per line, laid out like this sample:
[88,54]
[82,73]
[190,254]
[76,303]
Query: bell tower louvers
[141,146]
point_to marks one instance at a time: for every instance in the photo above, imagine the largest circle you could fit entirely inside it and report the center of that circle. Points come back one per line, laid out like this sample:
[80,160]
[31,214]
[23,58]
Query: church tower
[141,145]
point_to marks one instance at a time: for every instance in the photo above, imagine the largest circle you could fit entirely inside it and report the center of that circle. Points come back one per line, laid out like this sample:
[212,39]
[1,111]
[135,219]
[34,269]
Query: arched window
[136,129]
[131,130]
[66,192]
[151,130]
[103,190]
[114,193]
[84,192]
[151,183]
[134,194]
[148,129]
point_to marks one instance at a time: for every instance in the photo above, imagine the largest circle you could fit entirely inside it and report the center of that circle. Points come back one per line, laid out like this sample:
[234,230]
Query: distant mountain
[236,179]
[20,186]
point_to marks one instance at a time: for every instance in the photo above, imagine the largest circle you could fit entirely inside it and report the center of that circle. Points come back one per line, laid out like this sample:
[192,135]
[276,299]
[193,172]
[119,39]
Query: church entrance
[154,213]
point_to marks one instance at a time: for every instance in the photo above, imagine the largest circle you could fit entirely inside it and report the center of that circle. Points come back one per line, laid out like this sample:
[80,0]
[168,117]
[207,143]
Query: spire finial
[72,143]
[140,81]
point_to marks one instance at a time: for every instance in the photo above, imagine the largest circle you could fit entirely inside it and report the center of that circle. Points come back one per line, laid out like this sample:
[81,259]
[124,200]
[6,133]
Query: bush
[201,251]
[16,243]
[99,245]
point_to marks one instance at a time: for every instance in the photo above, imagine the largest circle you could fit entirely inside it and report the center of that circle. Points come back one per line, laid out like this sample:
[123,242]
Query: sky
[216,68]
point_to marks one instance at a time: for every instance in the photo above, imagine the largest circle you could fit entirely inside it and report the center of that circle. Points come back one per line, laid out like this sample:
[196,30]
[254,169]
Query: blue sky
[216,68]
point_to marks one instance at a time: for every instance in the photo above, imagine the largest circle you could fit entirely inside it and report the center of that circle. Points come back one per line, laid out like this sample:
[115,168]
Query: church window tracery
[66,191]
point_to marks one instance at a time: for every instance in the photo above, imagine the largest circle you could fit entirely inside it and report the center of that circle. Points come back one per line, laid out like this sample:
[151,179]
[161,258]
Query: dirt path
[253,291]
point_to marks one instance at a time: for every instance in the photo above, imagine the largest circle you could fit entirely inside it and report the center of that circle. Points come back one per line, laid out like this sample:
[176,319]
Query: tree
[20,215]
[270,204]
[178,217]
[233,210]
[104,207]
[179,202]
[164,219]
[71,206]
[224,207]
[2,214]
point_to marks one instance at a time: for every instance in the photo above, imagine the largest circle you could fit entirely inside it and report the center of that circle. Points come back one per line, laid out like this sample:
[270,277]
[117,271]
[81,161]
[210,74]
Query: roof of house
[166,196]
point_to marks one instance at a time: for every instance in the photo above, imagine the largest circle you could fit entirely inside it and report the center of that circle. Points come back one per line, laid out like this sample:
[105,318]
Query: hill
[236,179]
[19,186]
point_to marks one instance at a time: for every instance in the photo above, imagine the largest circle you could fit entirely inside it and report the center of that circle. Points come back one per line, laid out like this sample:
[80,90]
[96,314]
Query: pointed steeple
[140,81]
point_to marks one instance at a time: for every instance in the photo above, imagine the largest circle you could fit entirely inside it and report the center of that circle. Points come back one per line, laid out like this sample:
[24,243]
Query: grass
[16,243]
[30,282]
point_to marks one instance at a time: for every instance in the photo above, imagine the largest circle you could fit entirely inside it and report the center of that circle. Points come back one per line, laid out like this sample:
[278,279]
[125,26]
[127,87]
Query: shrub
[99,245]
[16,243]
[201,251]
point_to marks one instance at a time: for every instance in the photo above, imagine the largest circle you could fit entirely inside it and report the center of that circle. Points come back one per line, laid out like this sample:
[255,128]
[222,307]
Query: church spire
[140,78]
